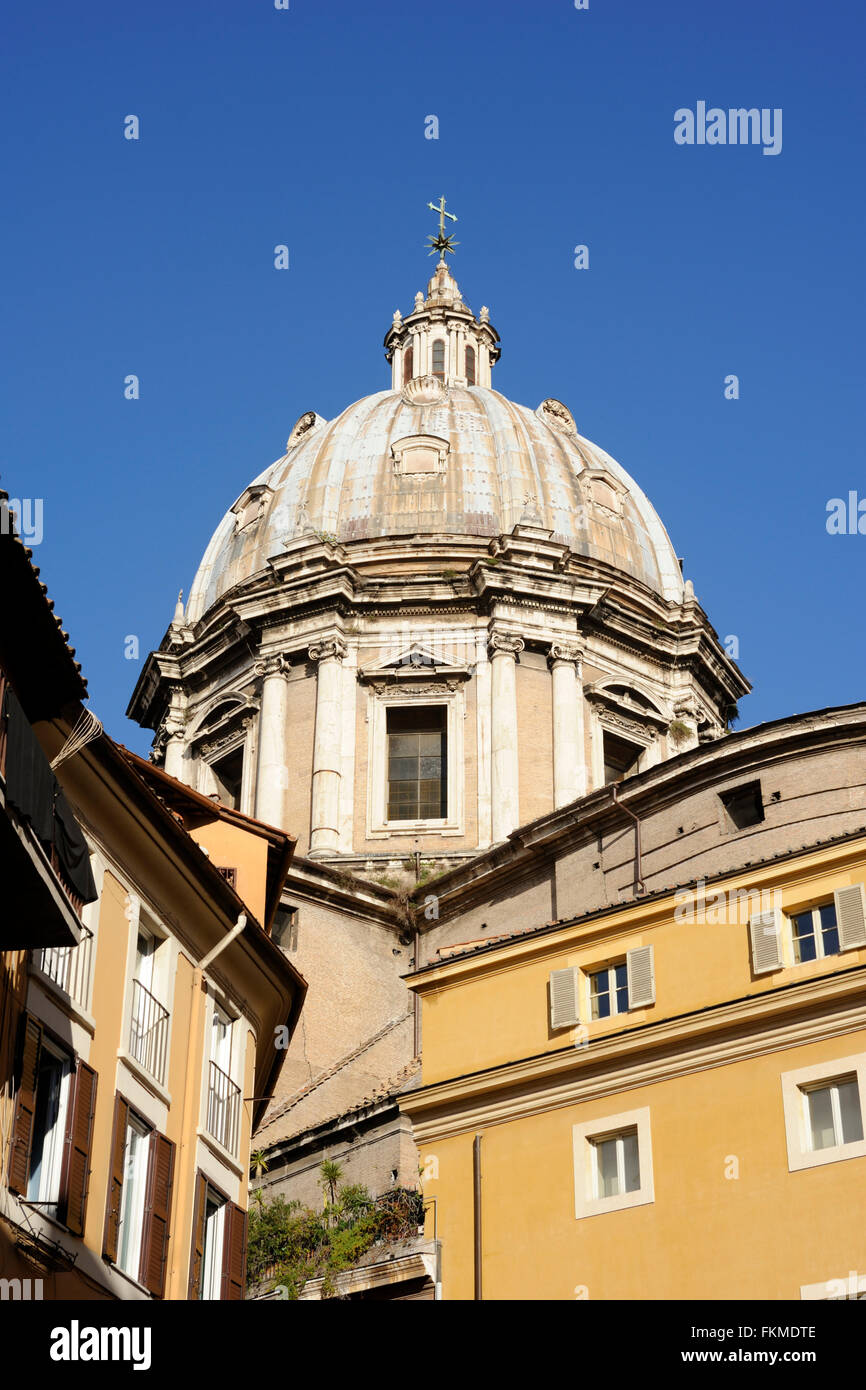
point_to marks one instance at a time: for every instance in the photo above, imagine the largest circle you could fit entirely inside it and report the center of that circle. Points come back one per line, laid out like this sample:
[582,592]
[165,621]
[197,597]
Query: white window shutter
[564,998]
[766,938]
[641,977]
[850,917]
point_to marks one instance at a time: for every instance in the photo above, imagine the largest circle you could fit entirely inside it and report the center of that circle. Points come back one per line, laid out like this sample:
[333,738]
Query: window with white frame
[833,1113]
[416,770]
[814,933]
[613,1163]
[212,1252]
[223,1095]
[149,1017]
[136,1156]
[616,1165]
[824,1109]
[53,1075]
[608,991]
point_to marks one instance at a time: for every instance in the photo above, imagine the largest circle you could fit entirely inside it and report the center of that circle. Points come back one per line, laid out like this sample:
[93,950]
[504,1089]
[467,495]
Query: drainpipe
[638,868]
[221,945]
[476,1207]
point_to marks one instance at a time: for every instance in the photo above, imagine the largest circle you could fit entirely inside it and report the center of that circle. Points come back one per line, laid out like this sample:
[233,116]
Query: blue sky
[306,127]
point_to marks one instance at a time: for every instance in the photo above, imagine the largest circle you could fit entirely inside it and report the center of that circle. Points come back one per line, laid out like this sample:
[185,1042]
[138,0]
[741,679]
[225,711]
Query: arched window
[439,358]
[470,366]
[408,356]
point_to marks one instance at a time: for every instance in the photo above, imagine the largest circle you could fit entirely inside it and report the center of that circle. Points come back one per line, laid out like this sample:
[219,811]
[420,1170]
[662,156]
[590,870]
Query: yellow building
[660,1100]
[142,1038]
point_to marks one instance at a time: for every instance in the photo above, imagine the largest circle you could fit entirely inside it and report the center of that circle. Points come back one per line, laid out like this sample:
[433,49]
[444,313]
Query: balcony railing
[68,967]
[148,1031]
[223,1108]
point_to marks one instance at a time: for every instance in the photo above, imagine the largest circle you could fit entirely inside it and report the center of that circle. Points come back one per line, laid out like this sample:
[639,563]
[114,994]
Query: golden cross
[442,242]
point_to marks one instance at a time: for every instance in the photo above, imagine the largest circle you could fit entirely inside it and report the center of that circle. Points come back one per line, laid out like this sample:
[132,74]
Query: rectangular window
[54,1070]
[608,991]
[613,1164]
[229,775]
[621,758]
[212,1253]
[223,1096]
[417,763]
[136,1154]
[148,1024]
[833,1114]
[815,933]
[617,1164]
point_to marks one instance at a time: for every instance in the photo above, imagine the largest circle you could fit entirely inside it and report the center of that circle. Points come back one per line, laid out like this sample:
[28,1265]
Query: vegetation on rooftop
[290,1244]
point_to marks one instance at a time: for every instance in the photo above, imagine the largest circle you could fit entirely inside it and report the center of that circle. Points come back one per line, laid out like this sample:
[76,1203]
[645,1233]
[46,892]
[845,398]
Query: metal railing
[223,1108]
[68,967]
[148,1031]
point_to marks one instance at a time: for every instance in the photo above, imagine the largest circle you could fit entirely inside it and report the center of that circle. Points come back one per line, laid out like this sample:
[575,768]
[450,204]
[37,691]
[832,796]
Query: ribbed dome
[432,460]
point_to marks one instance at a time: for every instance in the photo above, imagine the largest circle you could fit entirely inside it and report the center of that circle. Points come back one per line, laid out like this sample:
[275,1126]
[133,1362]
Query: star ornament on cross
[442,242]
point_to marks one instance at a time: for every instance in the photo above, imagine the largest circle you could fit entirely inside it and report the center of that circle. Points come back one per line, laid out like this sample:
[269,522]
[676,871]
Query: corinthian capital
[504,644]
[330,649]
[560,651]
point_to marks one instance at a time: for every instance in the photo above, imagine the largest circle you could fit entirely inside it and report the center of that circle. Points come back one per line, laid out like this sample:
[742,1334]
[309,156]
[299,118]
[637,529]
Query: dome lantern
[441,336]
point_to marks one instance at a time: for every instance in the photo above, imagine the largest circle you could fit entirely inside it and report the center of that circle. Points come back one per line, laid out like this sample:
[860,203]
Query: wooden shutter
[25,1108]
[564,998]
[850,917]
[765,934]
[641,977]
[79,1137]
[234,1252]
[197,1252]
[115,1179]
[157,1215]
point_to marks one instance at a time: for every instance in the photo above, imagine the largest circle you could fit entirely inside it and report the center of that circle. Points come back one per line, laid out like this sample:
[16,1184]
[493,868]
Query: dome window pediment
[420,453]
[251,506]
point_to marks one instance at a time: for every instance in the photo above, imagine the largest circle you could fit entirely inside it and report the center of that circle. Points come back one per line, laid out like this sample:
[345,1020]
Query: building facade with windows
[662,1094]
[144,1024]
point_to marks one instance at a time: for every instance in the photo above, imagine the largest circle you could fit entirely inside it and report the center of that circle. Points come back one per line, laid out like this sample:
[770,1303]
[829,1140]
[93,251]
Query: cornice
[813,1011]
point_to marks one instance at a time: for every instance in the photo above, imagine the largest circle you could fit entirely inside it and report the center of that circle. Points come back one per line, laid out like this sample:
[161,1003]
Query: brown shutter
[79,1135]
[234,1252]
[115,1180]
[157,1217]
[197,1252]
[22,1134]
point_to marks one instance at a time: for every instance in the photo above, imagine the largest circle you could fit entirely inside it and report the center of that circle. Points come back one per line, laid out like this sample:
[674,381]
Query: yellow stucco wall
[728,1220]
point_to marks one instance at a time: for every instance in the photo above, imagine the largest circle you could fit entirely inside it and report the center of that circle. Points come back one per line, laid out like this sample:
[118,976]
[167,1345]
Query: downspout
[476,1211]
[638,867]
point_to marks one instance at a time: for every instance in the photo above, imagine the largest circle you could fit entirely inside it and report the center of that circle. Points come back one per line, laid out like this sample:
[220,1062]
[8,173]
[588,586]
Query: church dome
[440,457]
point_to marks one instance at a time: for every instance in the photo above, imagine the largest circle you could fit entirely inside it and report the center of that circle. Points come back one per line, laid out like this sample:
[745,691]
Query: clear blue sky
[306,127]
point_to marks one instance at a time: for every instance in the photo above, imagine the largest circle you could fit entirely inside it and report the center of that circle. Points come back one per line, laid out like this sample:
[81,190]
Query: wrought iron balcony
[68,967]
[223,1108]
[148,1031]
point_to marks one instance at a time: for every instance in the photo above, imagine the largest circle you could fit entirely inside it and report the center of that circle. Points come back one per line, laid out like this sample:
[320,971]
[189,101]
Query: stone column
[272,777]
[327,747]
[569,769]
[505,793]
[175,748]
[482,726]
[347,783]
